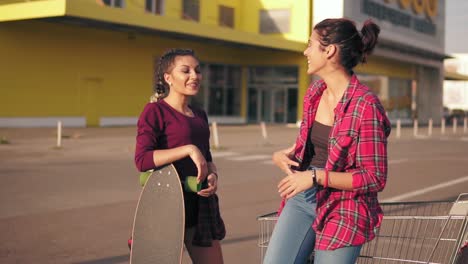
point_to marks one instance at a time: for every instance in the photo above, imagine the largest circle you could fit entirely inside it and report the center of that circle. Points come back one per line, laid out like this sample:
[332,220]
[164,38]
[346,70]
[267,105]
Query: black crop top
[319,147]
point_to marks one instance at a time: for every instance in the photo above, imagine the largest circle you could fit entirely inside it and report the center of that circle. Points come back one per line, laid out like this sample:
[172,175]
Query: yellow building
[92,62]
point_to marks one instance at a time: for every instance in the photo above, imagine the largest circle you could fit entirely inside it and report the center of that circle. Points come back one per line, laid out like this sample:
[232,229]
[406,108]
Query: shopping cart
[411,232]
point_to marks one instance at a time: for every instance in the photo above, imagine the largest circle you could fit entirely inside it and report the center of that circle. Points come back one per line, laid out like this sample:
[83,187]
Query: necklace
[189,112]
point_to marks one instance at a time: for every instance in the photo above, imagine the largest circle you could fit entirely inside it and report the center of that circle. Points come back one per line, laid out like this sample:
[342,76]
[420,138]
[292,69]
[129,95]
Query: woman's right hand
[283,160]
[200,162]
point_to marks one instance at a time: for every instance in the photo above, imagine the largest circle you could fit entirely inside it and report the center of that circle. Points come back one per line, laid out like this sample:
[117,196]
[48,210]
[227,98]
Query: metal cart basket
[411,232]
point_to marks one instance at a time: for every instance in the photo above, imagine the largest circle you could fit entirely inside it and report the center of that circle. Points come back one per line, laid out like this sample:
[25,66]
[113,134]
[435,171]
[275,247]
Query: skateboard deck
[159,224]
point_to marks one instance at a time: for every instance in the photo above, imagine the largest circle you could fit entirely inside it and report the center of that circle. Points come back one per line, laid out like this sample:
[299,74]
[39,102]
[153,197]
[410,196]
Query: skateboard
[159,223]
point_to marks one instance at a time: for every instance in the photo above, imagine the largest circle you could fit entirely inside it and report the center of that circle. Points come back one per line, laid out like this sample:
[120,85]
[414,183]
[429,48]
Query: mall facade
[92,62]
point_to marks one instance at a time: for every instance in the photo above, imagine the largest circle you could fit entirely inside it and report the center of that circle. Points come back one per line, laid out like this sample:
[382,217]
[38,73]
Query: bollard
[264,130]
[454,125]
[398,128]
[442,126]
[465,125]
[59,134]
[415,128]
[215,135]
[429,132]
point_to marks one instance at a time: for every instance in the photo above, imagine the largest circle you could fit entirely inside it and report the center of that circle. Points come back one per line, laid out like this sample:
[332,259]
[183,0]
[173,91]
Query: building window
[220,92]
[394,93]
[155,6]
[226,16]
[191,10]
[282,75]
[113,3]
[224,90]
[272,94]
[275,21]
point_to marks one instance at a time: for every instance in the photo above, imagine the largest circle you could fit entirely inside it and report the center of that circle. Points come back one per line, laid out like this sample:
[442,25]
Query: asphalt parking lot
[76,204]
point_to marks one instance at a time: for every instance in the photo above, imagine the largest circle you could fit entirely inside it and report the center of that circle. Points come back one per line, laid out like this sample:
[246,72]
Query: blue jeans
[293,238]
[345,255]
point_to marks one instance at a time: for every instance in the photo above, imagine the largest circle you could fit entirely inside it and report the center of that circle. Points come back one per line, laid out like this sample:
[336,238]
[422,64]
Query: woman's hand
[283,160]
[200,162]
[212,186]
[295,183]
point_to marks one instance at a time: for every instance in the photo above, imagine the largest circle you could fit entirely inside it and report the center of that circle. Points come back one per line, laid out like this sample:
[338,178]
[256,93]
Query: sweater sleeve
[148,129]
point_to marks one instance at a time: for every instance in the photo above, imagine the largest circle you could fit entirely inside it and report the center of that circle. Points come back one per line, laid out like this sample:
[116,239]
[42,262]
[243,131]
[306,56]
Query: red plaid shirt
[357,144]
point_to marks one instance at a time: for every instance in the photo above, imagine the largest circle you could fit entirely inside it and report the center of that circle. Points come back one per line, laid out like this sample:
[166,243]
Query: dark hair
[354,47]
[165,64]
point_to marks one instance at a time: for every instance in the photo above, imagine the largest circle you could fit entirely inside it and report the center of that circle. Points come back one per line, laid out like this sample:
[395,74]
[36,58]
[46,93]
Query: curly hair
[165,64]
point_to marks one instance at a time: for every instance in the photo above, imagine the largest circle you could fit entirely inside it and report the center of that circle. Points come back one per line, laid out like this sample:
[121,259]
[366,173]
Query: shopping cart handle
[460,206]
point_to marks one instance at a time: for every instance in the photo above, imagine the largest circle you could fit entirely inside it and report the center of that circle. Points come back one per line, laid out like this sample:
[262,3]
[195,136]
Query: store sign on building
[418,15]
[416,23]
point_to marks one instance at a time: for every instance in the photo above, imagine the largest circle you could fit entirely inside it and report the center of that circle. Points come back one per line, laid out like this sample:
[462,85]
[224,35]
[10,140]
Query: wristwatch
[314,176]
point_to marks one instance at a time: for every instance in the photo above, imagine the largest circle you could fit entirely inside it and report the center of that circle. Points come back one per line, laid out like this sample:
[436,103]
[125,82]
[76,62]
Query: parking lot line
[397,161]
[223,154]
[426,190]
[250,157]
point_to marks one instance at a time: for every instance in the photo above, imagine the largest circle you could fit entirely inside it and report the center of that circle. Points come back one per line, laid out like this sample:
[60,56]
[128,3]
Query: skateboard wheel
[191,184]
[144,177]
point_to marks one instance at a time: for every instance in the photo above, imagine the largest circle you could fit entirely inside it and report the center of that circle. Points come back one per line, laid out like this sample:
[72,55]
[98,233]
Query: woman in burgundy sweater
[171,131]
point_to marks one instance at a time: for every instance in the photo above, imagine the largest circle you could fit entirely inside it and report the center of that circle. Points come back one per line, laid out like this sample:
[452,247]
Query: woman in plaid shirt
[339,161]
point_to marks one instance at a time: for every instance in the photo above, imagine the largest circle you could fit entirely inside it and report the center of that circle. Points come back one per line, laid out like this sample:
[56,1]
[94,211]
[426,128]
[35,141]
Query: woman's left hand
[212,180]
[295,183]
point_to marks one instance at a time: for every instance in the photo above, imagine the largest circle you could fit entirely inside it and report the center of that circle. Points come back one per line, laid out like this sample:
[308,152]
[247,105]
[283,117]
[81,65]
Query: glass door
[253,106]
[291,110]
[266,106]
[279,106]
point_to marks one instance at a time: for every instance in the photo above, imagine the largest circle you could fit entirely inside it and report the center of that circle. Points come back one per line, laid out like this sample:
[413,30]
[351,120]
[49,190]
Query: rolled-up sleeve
[371,153]
[146,140]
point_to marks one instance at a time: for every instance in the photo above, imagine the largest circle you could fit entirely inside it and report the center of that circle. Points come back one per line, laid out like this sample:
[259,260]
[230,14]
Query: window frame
[228,84]
[223,12]
[113,3]
[153,8]
[271,24]
[188,16]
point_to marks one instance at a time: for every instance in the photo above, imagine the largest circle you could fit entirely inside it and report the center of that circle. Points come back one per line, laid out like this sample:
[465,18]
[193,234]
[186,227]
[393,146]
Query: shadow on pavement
[108,260]
[239,239]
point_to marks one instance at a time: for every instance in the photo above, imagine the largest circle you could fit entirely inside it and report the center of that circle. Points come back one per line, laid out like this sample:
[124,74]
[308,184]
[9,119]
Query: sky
[456,26]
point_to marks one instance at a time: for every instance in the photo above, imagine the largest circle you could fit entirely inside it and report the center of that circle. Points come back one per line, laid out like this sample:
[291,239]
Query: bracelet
[325,182]
[314,176]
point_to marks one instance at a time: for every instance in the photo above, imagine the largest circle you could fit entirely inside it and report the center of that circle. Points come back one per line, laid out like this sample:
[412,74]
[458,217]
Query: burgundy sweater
[162,127]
